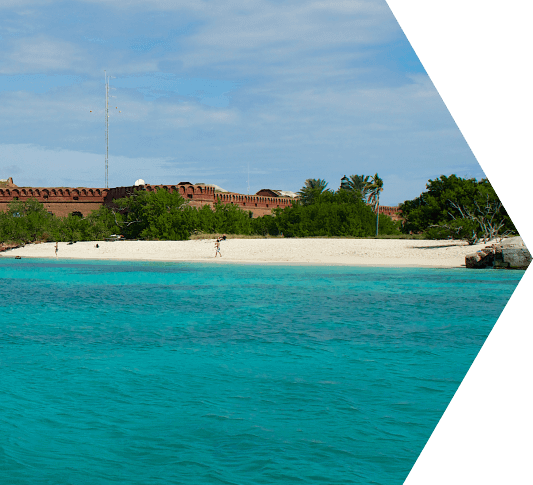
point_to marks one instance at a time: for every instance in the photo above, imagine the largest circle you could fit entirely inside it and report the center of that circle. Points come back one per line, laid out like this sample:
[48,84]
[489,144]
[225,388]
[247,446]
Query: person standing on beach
[217,248]
[57,248]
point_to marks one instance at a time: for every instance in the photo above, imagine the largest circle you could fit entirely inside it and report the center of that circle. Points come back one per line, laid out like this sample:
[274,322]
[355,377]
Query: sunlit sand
[353,252]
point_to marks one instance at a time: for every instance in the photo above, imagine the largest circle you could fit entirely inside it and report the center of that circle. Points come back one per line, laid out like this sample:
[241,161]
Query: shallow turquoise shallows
[160,373]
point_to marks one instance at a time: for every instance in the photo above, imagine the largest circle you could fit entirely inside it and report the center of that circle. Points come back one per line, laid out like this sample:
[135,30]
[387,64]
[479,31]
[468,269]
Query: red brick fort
[62,201]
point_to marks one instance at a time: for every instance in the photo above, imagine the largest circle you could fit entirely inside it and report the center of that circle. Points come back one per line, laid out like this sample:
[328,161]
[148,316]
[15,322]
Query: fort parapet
[260,205]
[196,195]
[201,195]
[62,201]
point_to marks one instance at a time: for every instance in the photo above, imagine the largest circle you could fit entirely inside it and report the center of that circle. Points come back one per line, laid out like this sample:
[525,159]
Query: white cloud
[39,166]
[23,107]
[46,54]
[148,4]
[269,35]
[42,54]
[83,104]
[265,32]
[263,35]
[352,109]
[228,6]
[307,96]
[123,68]
[6,4]
[193,114]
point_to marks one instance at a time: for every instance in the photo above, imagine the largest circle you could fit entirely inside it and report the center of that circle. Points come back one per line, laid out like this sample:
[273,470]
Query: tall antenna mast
[106,129]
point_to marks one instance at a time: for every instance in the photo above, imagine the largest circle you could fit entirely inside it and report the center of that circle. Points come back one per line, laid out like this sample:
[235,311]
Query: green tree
[359,185]
[331,214]
[25,221]
[102,223]
[265,225]
[453,207]
[71,228]
[312,189]
[229,219]
[154,215]
[374,188]
[167,216]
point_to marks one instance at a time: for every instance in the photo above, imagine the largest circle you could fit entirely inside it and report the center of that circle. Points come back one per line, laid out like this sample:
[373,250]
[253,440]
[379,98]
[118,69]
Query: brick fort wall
[62,201]
[199,196]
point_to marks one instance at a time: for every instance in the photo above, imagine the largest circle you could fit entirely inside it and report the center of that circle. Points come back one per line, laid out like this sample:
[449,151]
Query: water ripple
[154,373]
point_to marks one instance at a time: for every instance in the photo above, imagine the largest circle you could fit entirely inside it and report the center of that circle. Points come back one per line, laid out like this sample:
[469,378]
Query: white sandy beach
[353,252]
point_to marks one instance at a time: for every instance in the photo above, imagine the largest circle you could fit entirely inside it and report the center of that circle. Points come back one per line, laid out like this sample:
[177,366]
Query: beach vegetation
[312,190]
[28,221]
[358,184]
[334,215]
[24,221]
[224,218]
[456,208]
[163,215]
[160,215]
[374,187]
[266,226]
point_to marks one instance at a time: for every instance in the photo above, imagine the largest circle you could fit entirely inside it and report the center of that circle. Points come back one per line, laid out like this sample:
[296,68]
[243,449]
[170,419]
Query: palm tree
[374,187]
[359,183]
[311,190]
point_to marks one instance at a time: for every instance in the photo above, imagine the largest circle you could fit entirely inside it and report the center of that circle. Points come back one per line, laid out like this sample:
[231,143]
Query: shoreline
[247,263]
[268,251]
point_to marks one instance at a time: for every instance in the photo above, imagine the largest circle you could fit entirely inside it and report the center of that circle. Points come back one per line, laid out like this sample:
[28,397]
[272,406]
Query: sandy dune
[358,252]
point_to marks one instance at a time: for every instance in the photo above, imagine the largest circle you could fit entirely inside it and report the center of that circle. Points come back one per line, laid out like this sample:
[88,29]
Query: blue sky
[207,91]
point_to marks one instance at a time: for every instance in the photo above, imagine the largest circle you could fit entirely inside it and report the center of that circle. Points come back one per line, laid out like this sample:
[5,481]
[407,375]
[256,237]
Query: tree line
[451,207]
[457,208]
[163,215]
[361,187]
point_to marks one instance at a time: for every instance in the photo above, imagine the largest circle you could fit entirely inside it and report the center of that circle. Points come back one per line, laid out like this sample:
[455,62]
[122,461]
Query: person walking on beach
[57,248]
[217,248]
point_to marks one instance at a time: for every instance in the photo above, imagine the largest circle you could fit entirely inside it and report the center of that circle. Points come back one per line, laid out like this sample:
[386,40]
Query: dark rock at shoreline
[480,259]
[510,253]
[518,258]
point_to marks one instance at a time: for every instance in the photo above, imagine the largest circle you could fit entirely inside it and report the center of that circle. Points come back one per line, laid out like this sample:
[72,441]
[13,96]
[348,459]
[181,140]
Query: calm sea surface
[158,373]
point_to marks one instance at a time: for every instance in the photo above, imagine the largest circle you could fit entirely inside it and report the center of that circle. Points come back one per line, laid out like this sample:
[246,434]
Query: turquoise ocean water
[158,373]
